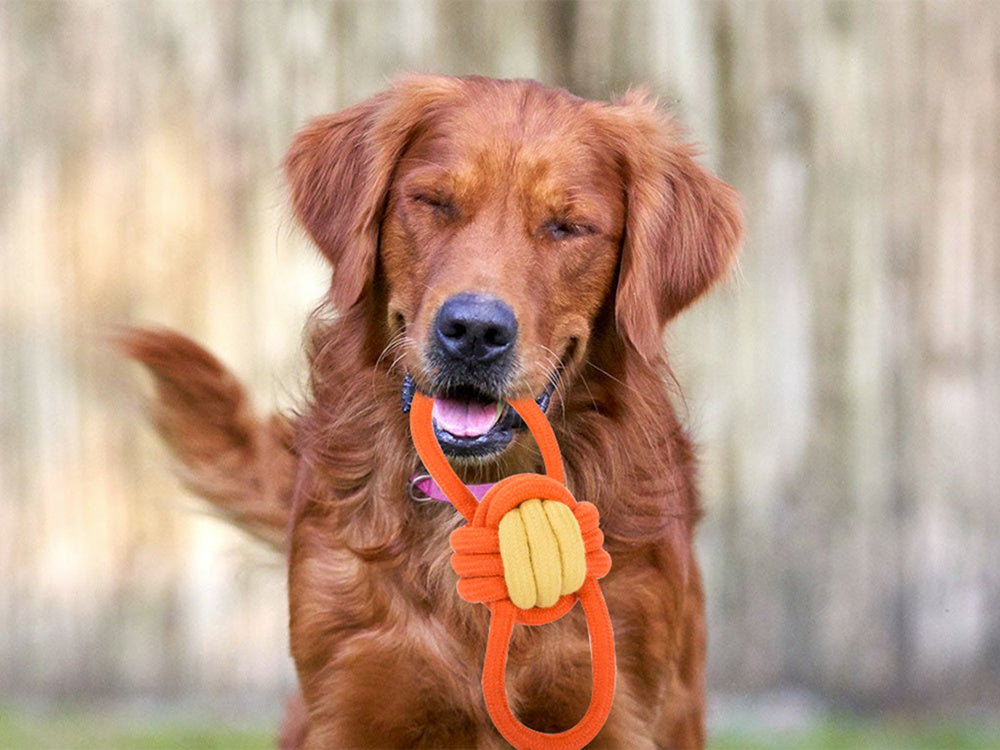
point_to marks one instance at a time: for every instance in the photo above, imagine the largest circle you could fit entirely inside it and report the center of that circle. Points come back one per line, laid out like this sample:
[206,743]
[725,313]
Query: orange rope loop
[489,565]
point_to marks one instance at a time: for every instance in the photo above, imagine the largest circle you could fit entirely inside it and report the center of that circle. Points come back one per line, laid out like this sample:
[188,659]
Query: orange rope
[478,562]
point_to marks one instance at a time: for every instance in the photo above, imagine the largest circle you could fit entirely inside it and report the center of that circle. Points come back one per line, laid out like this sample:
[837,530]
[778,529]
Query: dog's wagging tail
[489,242]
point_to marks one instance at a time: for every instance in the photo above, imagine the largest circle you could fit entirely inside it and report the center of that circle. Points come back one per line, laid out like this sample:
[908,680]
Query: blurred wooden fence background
[846,386]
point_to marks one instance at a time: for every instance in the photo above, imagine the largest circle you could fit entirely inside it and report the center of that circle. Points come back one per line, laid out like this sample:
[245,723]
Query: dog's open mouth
[471,424]
[467,423]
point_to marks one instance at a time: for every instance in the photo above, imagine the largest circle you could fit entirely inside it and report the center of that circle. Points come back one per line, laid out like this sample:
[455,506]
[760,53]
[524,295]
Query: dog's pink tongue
[464,418]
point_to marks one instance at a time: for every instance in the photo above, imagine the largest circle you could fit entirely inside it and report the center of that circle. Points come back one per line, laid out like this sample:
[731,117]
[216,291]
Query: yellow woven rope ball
[542,551]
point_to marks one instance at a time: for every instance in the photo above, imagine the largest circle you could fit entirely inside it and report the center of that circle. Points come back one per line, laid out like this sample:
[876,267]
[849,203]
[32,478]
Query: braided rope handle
[483,577]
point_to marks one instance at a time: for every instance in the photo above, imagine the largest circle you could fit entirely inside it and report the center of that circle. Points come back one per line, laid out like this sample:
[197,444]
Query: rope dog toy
[528,552]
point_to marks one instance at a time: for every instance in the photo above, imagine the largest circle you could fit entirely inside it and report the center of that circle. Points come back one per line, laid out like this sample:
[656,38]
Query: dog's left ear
[683,225]
[339,168]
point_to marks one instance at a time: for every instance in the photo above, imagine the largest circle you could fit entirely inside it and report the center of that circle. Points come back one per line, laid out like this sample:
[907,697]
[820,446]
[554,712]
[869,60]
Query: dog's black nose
[475,327]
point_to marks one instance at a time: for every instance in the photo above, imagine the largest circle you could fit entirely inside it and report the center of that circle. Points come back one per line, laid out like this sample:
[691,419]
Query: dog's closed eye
[560,229]
[437,201]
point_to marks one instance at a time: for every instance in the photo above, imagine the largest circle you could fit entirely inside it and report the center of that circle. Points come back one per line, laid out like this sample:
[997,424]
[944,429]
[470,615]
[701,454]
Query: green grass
[853,734]
[84,731]
[79,730]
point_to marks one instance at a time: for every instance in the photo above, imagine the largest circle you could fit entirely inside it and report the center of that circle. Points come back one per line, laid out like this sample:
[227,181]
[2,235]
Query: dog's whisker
[397,343]
[618,381]
[397,346]
[553,366]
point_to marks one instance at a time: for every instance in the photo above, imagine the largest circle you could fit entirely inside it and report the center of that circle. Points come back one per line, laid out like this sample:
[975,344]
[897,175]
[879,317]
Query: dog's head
[496,222]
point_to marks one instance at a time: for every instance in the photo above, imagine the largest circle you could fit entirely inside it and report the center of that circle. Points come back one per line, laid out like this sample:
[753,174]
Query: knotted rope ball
[536,552]
[542,551]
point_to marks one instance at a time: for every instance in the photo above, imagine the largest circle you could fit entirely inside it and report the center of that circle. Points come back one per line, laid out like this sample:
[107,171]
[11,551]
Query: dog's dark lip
[490,443]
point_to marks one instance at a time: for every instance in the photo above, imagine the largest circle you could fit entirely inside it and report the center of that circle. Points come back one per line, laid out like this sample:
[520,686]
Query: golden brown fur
[595,225]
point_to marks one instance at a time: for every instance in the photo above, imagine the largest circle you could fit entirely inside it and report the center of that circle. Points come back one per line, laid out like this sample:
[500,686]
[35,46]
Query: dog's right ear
[336,191]
[339,168]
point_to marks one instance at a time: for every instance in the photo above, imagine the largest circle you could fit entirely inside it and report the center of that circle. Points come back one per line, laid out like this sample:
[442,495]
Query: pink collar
[422,489]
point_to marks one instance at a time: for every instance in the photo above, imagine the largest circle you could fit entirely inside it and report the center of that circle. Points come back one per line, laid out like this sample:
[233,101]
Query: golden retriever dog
[490,240]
